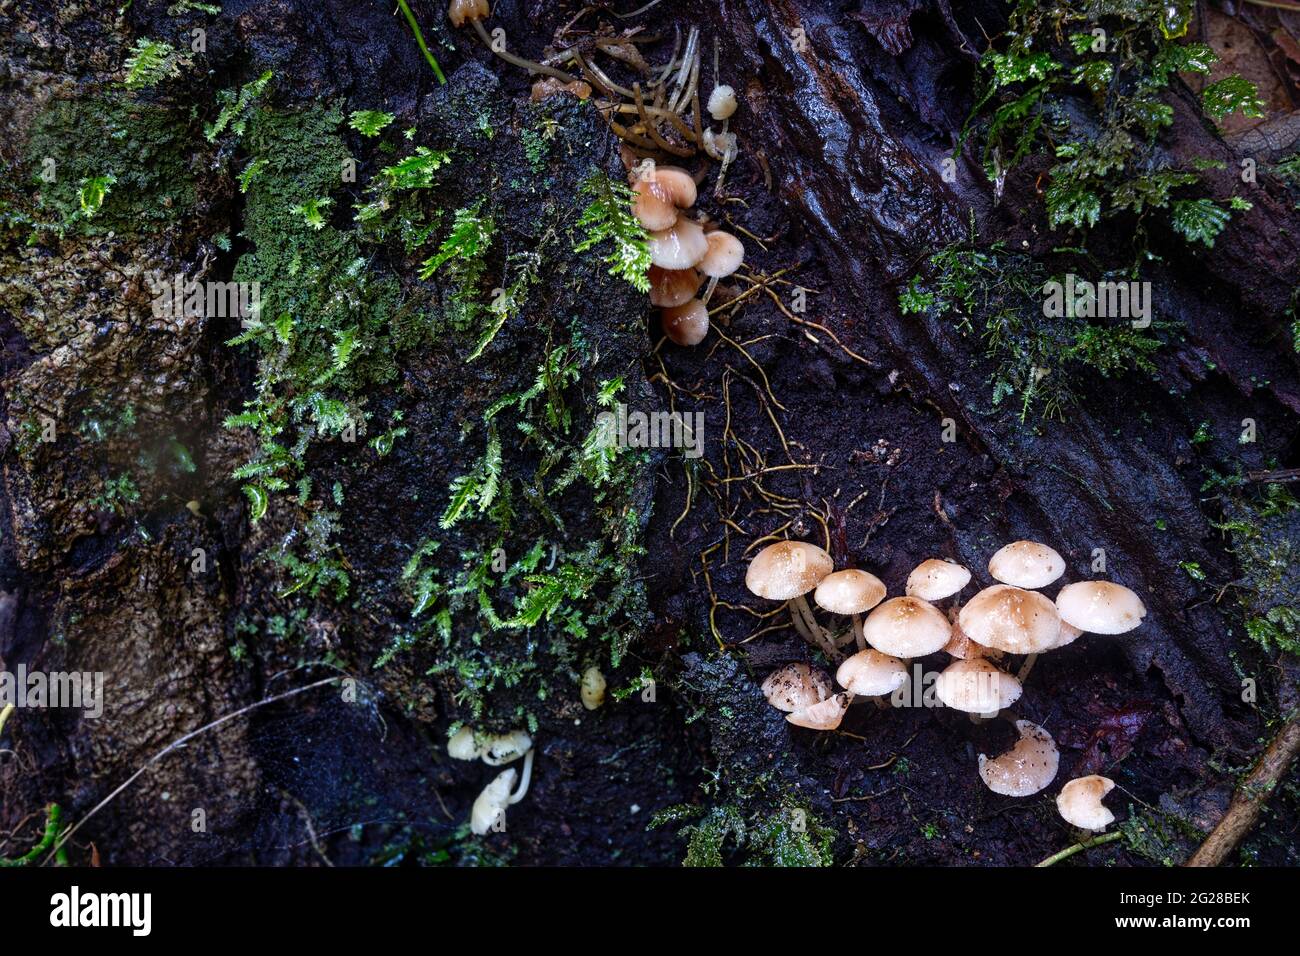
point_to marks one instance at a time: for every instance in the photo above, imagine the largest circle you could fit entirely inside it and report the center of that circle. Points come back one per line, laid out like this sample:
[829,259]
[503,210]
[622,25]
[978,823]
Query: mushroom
[934,580]
[1027,767]
[1079,802]
[1026,564]
[1069,634]
[1100,607]
[724,256]
[507,748]
[459,12]
[670,288]
[796,686]
[786,571]
[592,688]
[823,716]
[679,246]
[686,324]
[490,806]
[976,687]
[962,647]
[851,593]
[906,627]
[870,673]
[722,102]
[548,86]
[660,192]
[1011,619]
[462,745]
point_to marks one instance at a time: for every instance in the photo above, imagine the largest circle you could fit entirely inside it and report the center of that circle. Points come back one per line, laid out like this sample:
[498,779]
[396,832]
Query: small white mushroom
[593,688]
[796,686]
[679,246]
[1026,564]
[1080,802]
[1027,767]
[462,745]
[935,579]
[824,716]
[492,802]
[907,627]
[870,673]
[1100,607]
[722,102]
[976,687]
[507,748]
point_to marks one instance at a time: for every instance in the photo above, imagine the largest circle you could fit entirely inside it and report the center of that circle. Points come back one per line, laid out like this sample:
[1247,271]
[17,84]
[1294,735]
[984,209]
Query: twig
[1069,851]
[4,716]
[1252,794]
[176,745]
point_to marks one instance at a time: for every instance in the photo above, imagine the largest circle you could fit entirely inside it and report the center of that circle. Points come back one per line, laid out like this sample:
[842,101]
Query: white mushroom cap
[976,686]
[796,686]
[870,673]
[679,246]
[722,102]
[592,688]
[1080,802]
[787,570]
[1027,767]
[492,802]
[724,257]
[670,288]
[906,627]
[824,716]
[1026,564]
[1100,607]
[849,592]
[934,580]
[676,183]
[462,746]
[1011,619]
[1069,634]
[507,748]
[686,324]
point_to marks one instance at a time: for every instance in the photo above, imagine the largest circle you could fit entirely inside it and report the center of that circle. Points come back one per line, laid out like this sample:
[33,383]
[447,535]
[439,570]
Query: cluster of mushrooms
[1011,617]
[489,809]
[682,253]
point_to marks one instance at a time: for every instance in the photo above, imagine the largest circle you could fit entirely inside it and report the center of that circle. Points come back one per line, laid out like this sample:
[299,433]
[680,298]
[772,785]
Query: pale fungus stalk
[474,12]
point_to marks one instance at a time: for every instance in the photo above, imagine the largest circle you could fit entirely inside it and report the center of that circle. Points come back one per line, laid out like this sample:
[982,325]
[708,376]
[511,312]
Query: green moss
[1039,361]
[790,835]
[117,166]
[1264,533]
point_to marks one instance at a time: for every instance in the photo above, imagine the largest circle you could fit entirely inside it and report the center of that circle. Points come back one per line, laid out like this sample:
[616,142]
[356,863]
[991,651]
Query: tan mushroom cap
[686,324]
[906,627]
[1079,802]
[461,11]
[678,246]
[849,592]
[1100,607]
[824,716]
[724,257]
[796,686]
[976,686]
[1026,564]
[935,579]
[1011,619]
[661,192]
[1026,768]
[962,647]
[787,570]
[870,673]
[670,288]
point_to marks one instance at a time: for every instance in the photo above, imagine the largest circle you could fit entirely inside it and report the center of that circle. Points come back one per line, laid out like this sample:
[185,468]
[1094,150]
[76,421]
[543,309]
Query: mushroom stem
[799,625]
[1026,667]
[708,290]
[519,60]
[524,780]
[818,633]
[857,632]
